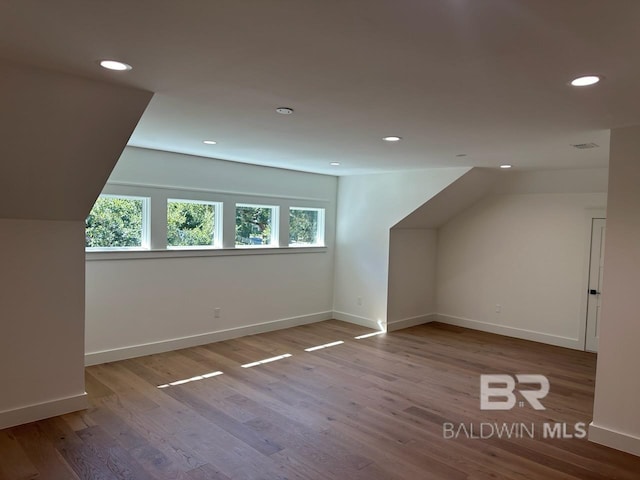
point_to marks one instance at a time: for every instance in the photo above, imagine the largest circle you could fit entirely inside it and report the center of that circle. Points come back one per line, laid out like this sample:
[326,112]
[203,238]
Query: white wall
[616,418]
[42,319]
[368,206]
[136,302]
[140,166]
[412,276]
[525,252]
[169,302]
[61,137]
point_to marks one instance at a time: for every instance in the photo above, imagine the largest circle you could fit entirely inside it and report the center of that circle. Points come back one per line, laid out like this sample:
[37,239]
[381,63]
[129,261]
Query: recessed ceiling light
[335,164]
[392,138]
[461,155]
[284,110]
[210,142]
[585,81]
[505,166]
[115,65]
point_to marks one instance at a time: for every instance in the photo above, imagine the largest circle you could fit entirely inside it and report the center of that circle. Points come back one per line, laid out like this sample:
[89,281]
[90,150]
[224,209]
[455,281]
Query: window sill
[205,252]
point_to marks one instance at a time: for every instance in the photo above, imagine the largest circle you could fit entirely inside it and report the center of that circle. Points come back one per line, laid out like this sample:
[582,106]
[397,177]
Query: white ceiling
[485,78]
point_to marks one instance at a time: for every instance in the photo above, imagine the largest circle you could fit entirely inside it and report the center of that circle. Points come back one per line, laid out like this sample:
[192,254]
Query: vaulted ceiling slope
[61,137]
[477,183]
[450,201]
[486,79]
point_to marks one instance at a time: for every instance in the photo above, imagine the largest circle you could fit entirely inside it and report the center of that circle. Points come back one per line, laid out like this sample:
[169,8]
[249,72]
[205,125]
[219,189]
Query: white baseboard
[410,322]
[362,321]
[614,439]
[39,411]
[566,342]
[95,358]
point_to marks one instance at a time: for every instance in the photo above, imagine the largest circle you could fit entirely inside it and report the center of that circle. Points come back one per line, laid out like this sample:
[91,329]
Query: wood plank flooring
[370,408]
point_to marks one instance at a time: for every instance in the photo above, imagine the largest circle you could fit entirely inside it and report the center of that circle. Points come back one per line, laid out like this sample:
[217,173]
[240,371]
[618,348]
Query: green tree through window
[254,225]
[303,226]
[190,224]
[115,222]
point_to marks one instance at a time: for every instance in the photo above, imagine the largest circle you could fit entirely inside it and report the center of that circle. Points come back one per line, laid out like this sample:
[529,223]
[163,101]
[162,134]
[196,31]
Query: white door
[598,230]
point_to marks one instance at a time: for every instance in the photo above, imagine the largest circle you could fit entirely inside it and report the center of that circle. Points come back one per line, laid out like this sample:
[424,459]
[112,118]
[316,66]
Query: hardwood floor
[370,408]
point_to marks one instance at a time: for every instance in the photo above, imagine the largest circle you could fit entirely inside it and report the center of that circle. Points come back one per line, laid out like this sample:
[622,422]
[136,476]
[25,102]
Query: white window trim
[217,224]
[105,255]
[157,197]
[145,238]
[320,232]
[275,225]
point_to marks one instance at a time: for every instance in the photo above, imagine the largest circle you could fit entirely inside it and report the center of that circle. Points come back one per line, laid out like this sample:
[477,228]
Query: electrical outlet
[498,308]
[359,301]
[216,313]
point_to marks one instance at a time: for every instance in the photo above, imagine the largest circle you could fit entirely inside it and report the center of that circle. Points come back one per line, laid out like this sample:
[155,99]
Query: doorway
[594,294]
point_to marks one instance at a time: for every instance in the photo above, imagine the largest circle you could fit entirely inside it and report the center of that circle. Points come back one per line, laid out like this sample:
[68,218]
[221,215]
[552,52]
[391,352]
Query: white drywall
[412,276]
[616,421]
[574,180]
[61,138]
[455,198]
[42,318]
[368,206]
[62,135]
[135,302]
[140,166]
[524,252]
[161,301]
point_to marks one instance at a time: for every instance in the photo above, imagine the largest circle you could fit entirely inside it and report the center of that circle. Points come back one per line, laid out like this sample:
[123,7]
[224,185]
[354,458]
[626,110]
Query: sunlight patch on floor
[266,360]
[367,335]
[192,379]
[326,345]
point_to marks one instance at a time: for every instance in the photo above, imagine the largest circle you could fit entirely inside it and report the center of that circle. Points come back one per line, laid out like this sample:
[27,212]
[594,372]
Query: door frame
[591,213]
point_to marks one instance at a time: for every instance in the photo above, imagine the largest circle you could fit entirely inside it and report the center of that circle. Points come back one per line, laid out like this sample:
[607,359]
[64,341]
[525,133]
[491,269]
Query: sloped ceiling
[480,182]
[456,197]
[61,137]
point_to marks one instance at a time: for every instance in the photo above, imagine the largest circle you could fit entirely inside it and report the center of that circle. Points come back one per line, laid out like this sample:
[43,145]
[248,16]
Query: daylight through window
[306,226]
[256,225]
[118,222]
[192,223]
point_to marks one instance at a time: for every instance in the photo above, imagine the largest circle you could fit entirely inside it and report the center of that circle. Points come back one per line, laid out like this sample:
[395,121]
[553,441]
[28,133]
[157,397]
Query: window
[121,220]
[256,225]
[306,226]
[193,223]
[118,222]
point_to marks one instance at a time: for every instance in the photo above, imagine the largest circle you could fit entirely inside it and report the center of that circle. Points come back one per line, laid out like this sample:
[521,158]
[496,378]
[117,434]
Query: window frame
[217,224]
[156,197]
[320,227]
[275,225]
[145,237]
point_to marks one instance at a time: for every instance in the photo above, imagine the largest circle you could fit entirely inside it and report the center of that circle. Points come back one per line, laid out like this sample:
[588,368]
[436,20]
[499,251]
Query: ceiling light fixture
[392,138]
[585,81]
[284,110]
[461,155]
[505,166]
[209,142]
[335,164]
[115,65]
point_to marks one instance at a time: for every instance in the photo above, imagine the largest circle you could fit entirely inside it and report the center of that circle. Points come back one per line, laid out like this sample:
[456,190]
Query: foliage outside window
[256,225]
[306,226]
[192,223]
[118,222]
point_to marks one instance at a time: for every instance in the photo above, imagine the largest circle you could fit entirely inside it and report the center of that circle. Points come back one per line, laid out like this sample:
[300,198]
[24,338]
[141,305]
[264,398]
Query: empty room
[278,239]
